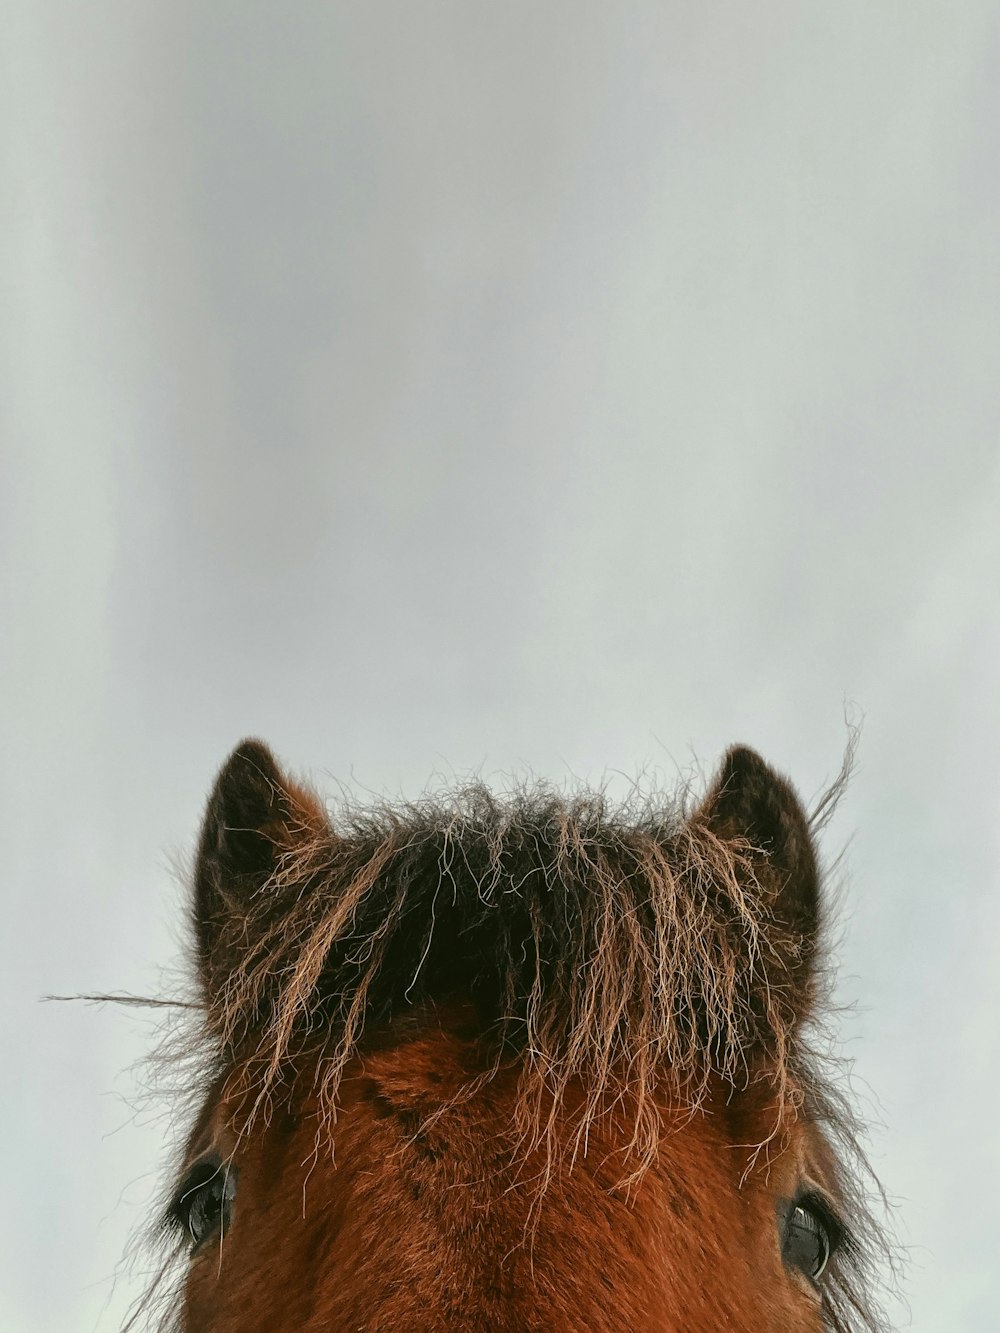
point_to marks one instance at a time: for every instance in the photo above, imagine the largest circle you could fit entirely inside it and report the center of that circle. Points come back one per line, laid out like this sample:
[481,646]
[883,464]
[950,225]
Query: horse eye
[810,1238]
[204,1203]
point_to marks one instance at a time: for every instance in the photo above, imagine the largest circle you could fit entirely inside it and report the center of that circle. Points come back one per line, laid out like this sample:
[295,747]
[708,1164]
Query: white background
[437,386]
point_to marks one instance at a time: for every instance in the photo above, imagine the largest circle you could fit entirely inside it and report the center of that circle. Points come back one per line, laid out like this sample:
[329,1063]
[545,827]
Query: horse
[520,1062]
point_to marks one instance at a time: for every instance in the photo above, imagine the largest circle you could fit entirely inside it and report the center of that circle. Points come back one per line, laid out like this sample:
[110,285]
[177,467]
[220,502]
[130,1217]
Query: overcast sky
[434,386]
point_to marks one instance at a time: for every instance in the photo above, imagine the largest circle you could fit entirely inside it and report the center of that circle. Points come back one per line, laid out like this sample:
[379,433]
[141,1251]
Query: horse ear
[754,808]
[255,817]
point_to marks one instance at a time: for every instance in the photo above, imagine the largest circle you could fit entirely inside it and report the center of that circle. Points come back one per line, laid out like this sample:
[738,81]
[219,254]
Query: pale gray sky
[428,386]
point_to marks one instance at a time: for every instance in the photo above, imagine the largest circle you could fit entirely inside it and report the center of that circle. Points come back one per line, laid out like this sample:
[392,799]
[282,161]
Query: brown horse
[530,1063]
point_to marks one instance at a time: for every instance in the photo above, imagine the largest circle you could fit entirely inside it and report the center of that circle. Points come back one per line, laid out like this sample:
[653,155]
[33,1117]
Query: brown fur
[531,1063]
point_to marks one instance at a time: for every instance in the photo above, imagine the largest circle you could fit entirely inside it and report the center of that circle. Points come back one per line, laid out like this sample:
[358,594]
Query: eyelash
[836,1227]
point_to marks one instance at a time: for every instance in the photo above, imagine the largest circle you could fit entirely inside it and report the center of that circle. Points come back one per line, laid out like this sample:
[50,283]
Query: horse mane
[626,947]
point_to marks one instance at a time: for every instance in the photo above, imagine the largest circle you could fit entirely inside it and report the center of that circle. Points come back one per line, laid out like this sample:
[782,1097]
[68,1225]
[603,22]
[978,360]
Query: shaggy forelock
[620,947]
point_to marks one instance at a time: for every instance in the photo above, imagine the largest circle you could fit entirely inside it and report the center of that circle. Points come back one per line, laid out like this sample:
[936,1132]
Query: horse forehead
[409,1213]
[427,1108]
[416,1198]
[416,1087]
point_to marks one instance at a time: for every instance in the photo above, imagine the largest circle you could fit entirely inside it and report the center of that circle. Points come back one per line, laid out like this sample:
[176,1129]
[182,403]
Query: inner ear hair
[752,805]
[255,815]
